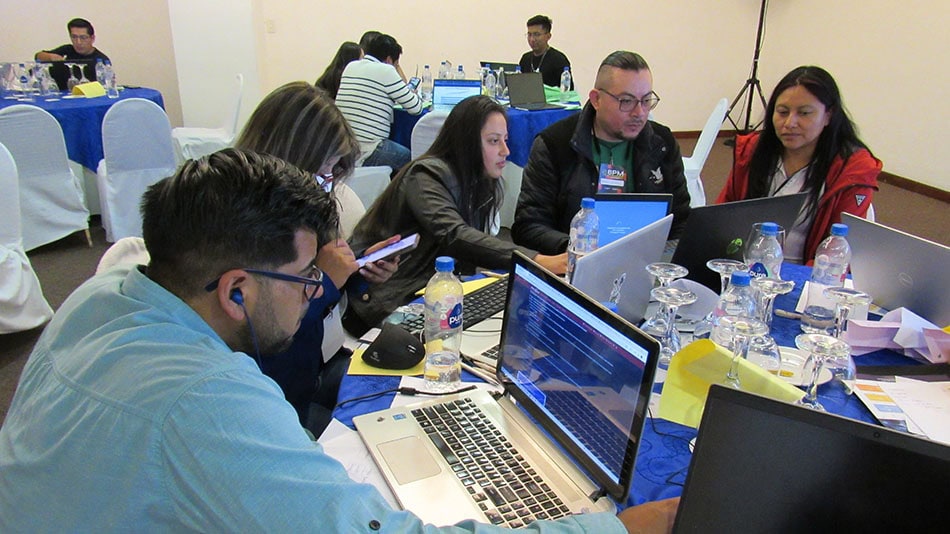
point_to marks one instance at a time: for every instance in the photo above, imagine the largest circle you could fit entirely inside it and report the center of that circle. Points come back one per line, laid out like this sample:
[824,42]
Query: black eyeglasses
[311,284]
[628,104]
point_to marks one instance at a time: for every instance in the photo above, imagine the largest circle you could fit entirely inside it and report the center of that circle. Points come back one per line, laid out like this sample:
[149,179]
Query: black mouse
[394,348]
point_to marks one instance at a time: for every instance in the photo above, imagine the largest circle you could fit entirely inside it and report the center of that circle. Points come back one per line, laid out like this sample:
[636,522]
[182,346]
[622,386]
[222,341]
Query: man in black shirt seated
[82,37]
[542,58]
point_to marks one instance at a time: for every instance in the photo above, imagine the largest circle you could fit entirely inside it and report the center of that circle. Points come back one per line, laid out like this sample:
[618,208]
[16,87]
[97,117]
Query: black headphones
[237,296]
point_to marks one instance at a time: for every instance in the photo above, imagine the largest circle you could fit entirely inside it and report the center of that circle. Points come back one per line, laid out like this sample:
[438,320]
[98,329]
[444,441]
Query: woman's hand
[379,271]
[555,264]
[337,261]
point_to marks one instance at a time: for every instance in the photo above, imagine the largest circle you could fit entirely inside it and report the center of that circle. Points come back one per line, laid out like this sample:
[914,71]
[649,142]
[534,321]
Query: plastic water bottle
[582,240]
[831,266]
[443,327]
[426,84]
[501,86]
[764,256]
[489,82]
[565,84]
[443,71]
[112,90]
[101,72]
[737,300]
[460,75]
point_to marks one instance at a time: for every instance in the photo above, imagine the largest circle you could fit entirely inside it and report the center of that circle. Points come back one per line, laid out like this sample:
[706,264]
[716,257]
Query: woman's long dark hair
[839,137]
[329,81]
[459,144]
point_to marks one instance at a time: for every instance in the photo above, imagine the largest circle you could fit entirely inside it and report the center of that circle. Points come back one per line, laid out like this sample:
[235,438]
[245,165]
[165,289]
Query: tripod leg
[747,85]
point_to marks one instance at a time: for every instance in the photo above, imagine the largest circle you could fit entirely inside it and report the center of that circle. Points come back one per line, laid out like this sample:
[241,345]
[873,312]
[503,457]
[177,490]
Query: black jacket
[560,171]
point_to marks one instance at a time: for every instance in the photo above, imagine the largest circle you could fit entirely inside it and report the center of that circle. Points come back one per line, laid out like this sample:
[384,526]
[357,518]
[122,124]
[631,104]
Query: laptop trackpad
[408,459]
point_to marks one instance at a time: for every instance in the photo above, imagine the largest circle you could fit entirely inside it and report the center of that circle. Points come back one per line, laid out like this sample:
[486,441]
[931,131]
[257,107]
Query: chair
[137,144]
[511,180]
[694,164]
[52,204]
[192,143]
[351,208]
[128,250]
[22,304]
[369,182]
[425,131]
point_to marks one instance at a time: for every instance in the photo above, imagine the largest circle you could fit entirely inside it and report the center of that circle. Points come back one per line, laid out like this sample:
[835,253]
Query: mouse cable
[404,391]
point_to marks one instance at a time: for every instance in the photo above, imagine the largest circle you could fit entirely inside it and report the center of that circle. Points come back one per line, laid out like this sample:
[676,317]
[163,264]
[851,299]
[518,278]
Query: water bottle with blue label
[443,327]
[764,254]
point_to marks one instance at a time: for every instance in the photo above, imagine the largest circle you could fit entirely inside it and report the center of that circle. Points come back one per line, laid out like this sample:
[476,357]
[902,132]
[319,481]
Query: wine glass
[48,88]
[767,289]
[73,81]
[82,73]
[740,330]
[664,273]
[764,352]
[725,268]
[845,299]
[820,349]
[672,298]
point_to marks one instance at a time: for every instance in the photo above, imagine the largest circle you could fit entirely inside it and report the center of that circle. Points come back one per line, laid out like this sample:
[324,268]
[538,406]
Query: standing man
[82,37]
[369,88]
[542,58]
[611,146]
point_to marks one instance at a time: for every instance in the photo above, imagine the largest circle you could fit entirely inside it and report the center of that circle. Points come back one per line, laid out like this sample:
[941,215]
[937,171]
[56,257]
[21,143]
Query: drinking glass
[766,290]
[73,81]
[820,349]
[725,268]
[672,298]
[82,73]
[764,352]
[664,273]
[845,299]
[740,330]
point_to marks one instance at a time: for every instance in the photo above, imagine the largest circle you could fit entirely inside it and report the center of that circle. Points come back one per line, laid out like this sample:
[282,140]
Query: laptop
[617,272]
[720,231]
[447,93]
[621,214]
[762,465]
[899,269]
[526,92]
[576,380]
[509,68]
[60,72]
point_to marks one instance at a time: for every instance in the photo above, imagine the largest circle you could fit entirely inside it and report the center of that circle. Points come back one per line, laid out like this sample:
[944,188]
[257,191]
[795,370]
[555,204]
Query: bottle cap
[740,278]
[427,66]
[840,229]
[445,264]
[567,68]
[612,306]
[769,228]
[587,203]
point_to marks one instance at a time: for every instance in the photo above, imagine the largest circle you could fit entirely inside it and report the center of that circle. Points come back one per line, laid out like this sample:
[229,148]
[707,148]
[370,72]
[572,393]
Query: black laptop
[526,92]
[762,465]
[720,231]
[509,68]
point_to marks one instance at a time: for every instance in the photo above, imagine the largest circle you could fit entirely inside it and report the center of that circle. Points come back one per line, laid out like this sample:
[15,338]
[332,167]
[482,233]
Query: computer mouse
[394,348]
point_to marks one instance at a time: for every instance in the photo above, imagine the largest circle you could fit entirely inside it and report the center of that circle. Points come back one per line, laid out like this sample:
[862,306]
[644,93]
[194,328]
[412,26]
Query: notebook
[621,214]
[617,272]
[447,93]
[509,68]
[762,465]
[720,231]
[526,92]
[899,269]
[559,349]
[60,72]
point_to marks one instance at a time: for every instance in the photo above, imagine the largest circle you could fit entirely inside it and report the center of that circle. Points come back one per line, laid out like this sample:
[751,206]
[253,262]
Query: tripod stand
[752,85]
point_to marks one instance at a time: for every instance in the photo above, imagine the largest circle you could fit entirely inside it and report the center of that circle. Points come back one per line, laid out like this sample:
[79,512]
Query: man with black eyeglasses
[611,146]
[82,41]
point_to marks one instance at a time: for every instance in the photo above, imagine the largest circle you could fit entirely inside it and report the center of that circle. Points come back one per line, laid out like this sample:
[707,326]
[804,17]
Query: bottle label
[759,270]
[453,318]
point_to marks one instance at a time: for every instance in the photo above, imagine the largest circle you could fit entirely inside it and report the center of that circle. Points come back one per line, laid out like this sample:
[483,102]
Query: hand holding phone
[414,83]
[388,252]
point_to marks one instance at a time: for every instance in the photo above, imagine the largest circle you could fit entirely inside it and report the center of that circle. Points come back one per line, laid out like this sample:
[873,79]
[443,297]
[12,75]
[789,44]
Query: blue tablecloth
[664,455]
[523,126]
[81,120]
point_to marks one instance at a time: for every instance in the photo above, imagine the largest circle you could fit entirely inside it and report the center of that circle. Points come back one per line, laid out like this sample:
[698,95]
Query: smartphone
[414,82]
[403,245]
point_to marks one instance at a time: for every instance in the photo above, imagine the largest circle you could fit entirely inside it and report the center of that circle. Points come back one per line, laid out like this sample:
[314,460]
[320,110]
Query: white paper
[927,404]
[345,445]
[419,384]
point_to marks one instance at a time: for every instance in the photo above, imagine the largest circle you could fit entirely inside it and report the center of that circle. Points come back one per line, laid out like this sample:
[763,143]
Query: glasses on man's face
[535,35]
[311,284]
[83,38]
[628,104]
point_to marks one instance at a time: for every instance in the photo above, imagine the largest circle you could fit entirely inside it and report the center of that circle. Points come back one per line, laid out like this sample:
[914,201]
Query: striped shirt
[368,91]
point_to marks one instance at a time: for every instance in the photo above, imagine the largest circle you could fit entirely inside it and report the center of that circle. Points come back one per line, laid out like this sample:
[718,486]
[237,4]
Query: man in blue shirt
[143,406]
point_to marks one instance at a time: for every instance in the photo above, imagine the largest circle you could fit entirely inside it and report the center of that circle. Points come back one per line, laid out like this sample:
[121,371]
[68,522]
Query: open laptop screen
[447,93]
[623,214]
[582,372]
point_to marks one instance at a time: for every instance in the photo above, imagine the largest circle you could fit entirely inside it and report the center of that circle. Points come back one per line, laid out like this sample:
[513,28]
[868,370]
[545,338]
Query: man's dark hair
[367,38]
[81,23]
[233,209]
[384,46]
[625,60]
[540,20]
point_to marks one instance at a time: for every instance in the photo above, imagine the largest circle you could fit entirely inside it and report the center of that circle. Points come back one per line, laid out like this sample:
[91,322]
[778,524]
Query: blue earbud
[237,296]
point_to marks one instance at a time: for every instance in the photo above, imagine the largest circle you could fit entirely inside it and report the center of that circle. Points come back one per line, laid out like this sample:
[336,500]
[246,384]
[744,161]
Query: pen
[788,314]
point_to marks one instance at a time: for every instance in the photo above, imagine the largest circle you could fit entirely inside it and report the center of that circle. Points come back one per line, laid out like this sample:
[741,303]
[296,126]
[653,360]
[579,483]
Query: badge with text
[612,179]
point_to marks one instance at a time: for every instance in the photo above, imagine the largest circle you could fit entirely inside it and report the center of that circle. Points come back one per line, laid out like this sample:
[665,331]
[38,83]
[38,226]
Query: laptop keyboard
[506,488]
[477,306]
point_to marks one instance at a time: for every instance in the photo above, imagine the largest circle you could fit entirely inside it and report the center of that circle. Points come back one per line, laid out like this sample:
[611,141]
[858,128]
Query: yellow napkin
[703,363]
[471,285]
[359,367]
[89,90]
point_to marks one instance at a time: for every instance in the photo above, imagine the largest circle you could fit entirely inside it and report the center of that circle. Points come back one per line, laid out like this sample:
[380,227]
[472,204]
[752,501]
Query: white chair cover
[425,131]
[22,304]
[193,142]
[369,182]
[137,144]
[511,180]
[351,208]
[126,250]
[693,165]
[52,204]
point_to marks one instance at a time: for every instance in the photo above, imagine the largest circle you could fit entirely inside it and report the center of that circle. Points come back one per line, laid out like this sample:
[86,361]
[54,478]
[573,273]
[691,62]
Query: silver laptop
[576,381]
[526,92]
[617,272]
[899,269]
[446,93]
[623,213]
